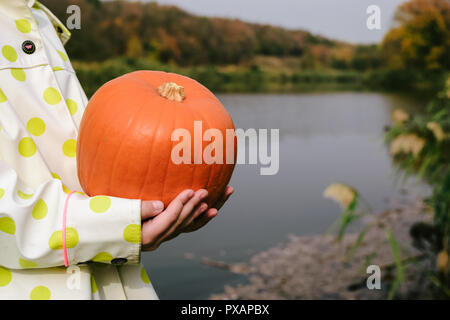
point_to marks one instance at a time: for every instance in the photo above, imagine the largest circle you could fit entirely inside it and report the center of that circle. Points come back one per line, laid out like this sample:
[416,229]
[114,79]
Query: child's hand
[186,213]
[166,224]
[207,216]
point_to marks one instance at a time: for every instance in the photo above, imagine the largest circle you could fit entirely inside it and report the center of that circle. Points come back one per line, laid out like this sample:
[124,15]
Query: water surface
[324,138]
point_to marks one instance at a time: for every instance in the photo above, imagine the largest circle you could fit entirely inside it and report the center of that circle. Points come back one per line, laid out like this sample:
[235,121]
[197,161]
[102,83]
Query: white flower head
[407,143]
[399,116]
[438,133]
[340,193]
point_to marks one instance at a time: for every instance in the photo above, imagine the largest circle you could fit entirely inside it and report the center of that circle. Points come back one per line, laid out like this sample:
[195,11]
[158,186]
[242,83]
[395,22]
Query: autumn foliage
[421,39]
[227,55]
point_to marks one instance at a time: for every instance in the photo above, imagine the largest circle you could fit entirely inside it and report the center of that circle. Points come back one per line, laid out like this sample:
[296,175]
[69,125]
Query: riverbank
[224,79]
[314,267]
[263,75]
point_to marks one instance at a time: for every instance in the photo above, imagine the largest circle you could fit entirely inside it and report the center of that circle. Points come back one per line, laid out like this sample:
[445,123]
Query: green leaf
[348,217]
[357,243]
[400,274]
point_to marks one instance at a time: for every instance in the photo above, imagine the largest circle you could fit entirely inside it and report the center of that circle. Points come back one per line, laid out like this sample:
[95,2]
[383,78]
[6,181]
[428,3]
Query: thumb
[150,209]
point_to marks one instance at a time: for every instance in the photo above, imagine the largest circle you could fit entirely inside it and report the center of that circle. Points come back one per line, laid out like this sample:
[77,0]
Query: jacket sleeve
[98,228]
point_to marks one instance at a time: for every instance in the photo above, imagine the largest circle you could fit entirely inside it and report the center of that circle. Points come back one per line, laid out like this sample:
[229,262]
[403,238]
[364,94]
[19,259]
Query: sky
[336,19]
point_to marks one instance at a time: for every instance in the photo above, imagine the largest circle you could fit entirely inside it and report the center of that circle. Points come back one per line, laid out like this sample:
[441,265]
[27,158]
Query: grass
[272,78]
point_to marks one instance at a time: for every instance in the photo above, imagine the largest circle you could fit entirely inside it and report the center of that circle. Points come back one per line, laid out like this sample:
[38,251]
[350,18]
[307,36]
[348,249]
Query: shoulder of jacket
[63,33]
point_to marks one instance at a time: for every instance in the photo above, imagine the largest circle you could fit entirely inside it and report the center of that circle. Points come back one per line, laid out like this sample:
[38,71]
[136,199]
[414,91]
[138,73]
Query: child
[41,105]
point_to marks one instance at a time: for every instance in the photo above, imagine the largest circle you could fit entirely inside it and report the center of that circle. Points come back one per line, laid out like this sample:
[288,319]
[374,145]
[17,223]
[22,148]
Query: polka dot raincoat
[41,105]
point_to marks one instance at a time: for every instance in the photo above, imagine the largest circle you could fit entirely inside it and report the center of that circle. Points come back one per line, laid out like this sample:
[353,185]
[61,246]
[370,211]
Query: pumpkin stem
[172,91]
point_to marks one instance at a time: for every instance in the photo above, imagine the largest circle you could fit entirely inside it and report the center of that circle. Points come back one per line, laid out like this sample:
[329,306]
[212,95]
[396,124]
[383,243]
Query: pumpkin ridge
[168,162]
[193,171]
[146,85]
[210,166]
[90,171]
[222,169]
[120,147]
[92,118]
[148,165]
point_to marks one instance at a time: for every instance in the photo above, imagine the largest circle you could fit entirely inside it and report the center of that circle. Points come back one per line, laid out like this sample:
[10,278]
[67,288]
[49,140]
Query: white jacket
[41,105]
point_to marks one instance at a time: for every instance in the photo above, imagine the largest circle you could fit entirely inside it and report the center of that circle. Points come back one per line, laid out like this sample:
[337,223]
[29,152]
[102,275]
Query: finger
[149,209]
[229,190]
[187,211]
[201,208]
[189,208]
[226,195]
[175,207]
[157,227]
[203,219]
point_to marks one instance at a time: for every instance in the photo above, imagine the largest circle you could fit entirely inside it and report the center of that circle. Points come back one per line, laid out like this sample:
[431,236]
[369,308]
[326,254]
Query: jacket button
[28,47]
[119,261]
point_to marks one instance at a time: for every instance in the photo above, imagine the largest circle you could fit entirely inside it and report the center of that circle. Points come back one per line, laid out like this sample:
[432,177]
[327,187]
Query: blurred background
[362,114]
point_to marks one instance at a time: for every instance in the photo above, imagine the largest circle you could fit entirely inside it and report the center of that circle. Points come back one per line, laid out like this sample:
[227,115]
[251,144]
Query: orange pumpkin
[124,144]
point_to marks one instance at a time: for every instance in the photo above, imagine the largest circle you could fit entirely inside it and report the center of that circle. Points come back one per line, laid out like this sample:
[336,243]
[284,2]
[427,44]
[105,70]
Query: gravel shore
[315,267]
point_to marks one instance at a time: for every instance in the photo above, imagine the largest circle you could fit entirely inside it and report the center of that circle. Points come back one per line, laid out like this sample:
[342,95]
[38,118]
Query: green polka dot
[2,96]
[102,257]
[9,53]
[132,233]
[5,276]
[62,55]
[72,106]
[18,74]
[40,210]
[57,68]
[100,204]
[7,225]
[94,287]
[70,148]
[27,148]
[144,276]
[23,25]
[65,189]
[23,195]
[2,192]
[56,176]
[40,293]
[55,241]
[36,126]
[52,96]
[27,264]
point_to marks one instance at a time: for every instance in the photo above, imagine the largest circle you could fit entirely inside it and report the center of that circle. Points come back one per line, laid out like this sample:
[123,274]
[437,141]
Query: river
[324,138]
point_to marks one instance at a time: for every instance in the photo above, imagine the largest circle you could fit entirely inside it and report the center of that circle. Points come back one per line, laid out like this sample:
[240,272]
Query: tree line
[413,54]
[171,35]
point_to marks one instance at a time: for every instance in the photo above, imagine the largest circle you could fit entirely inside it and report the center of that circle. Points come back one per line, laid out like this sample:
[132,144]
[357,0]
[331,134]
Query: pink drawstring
[64,241]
